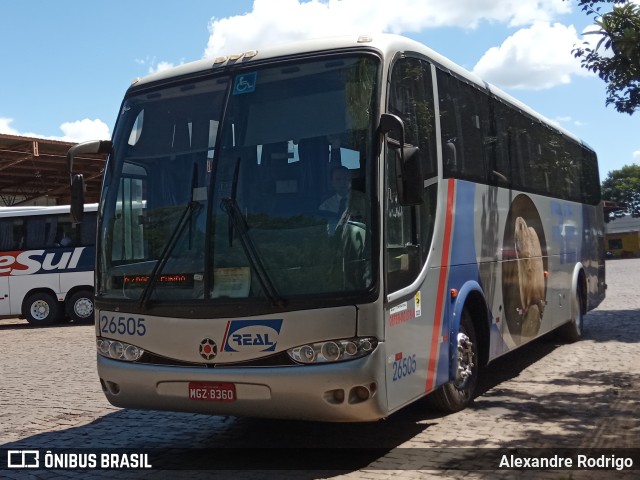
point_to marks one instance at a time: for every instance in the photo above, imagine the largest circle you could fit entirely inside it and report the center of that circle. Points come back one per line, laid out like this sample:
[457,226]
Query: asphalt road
[547,395]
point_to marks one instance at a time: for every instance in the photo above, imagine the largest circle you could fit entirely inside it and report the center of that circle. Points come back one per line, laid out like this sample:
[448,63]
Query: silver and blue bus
[331,230]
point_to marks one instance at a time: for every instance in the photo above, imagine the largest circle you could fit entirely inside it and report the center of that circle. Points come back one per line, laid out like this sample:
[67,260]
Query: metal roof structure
[34,171]
[623,224]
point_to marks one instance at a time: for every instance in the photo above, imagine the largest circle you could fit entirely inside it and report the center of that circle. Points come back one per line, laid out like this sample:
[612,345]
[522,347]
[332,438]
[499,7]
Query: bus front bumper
[351,391]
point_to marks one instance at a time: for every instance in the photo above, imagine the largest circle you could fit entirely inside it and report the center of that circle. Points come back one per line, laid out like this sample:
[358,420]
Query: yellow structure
[623,237]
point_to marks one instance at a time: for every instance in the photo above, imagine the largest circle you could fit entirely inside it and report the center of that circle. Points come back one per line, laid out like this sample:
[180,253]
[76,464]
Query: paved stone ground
[547,395]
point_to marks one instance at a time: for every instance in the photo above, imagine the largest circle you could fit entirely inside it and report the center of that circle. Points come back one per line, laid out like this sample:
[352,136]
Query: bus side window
[6,235]
[35,228]
[498,146]
[88,230]
[51,229]
[520,151]
[464,123]
[589,178]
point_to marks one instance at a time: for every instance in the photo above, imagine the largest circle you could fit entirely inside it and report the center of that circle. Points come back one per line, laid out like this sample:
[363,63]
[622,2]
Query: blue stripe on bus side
[464,273]
[440,314]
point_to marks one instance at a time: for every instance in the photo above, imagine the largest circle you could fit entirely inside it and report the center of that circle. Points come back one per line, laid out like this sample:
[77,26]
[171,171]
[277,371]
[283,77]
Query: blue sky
[66,64]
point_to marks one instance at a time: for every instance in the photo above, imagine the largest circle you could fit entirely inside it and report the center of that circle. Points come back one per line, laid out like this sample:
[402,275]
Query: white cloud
[537,58]
[160,66]
[5,126]
[563,119]
[79,131]
[154,66]
[278,21]
[84,130]
[569,120]
[636,156]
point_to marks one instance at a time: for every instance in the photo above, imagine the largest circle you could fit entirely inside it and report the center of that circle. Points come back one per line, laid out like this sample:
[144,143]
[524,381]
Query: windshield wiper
[190,208]
[230,206]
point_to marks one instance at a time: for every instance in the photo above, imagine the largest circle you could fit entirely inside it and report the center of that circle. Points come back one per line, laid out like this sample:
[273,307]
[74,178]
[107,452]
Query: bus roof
[387,44]
[26,211]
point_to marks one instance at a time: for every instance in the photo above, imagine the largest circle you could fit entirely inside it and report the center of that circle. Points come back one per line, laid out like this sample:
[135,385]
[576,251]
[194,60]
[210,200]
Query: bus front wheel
[41,309]
[79,306]
[458,393]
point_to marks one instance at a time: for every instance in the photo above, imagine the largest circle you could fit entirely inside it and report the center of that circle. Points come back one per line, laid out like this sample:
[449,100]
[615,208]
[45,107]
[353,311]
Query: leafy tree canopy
[616,56]
[623,186]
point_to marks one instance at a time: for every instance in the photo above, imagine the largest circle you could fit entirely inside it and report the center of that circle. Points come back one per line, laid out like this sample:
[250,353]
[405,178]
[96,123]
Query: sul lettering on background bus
[39,261]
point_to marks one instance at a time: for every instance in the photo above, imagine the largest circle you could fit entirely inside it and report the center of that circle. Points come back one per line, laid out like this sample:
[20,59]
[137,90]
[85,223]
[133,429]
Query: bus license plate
[212,391]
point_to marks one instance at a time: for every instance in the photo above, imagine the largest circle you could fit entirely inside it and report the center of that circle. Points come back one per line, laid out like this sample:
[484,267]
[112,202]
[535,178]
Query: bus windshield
[256,185]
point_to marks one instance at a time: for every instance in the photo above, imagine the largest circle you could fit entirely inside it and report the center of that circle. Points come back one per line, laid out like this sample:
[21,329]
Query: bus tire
[457,394]
[41,309]
[572,331]
[79,306]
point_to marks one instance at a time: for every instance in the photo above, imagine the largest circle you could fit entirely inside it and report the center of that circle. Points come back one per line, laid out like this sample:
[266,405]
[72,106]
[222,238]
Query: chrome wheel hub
[40,310]
[83,307]
[465,360]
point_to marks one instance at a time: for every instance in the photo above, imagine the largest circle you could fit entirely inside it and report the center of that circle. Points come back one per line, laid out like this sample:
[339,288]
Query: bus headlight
[118,350]
[333,350]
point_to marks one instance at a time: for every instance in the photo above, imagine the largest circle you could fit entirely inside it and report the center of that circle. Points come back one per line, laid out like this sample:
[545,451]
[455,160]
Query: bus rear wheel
[79,306]
[572,331]
[458,393]
[41,309]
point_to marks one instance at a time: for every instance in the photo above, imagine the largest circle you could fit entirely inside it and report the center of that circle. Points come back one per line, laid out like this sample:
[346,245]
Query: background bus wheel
[41,309]
[79,306]
[457,394]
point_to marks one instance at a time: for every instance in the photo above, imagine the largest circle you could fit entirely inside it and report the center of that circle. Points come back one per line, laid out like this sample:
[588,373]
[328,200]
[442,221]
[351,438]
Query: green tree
[616,57]
[623,186]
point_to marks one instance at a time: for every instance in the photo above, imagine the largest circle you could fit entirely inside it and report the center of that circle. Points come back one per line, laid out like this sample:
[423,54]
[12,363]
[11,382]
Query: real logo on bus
[252,335]
[30,262]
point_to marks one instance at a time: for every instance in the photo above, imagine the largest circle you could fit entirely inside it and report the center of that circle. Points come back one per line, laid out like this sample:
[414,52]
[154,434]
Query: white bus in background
[46,264]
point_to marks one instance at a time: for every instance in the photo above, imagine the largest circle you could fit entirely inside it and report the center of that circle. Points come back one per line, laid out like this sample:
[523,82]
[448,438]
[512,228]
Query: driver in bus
[345,200]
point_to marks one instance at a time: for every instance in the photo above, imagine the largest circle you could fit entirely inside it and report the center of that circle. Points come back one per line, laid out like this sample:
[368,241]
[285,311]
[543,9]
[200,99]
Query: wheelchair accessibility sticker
[245,83]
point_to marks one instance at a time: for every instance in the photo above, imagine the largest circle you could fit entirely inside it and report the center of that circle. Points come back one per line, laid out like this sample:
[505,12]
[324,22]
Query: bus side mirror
[391,123]
[77,180]
[410,181]
[77,198]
